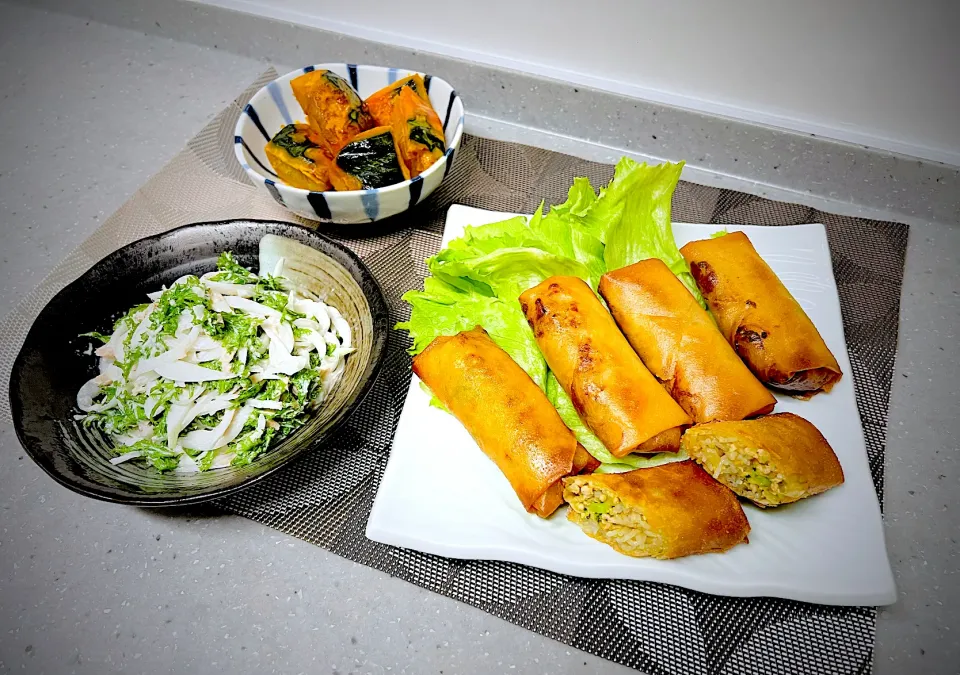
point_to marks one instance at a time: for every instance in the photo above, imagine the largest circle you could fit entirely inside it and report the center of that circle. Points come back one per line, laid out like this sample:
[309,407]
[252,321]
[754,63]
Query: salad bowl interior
[55,360]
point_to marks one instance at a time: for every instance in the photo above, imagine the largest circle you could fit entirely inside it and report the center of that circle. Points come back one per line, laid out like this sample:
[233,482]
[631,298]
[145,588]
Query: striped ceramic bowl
[274,106]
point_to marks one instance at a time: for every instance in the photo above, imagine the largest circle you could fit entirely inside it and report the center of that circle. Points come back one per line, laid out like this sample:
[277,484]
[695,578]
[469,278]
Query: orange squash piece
[298,160]
[418,131]
[333,108]
[380,103]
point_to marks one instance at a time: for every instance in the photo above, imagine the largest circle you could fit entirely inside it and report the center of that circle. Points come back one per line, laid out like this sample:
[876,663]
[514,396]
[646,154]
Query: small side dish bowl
[275,106]
[54,361]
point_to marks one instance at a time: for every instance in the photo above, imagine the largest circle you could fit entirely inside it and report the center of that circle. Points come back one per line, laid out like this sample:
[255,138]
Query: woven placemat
[326,498]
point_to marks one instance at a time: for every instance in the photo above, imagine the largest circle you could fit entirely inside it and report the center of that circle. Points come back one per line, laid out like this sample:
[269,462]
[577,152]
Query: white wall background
[883,73]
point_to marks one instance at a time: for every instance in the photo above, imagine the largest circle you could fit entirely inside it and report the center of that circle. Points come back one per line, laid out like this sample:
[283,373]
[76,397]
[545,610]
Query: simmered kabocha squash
[418,131]
[370,160]
[333,108]
[380,104]
[298,160]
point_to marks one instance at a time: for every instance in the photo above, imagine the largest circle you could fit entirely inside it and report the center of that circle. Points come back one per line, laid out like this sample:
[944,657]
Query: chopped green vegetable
[182,296]
[97,336]
[233,330]
[155,454]
[598,508]
[250,446]
[302,383]
[232,272]
[268,282]
[205,463]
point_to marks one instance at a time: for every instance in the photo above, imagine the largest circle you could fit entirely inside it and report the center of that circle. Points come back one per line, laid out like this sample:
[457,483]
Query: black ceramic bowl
[52,365]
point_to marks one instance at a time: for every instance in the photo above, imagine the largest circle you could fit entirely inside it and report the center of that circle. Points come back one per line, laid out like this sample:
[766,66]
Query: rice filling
[745,469]
[601,514]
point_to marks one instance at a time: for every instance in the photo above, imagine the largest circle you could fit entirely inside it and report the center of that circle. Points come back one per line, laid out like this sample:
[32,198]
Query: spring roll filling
[602,515]
[747,470]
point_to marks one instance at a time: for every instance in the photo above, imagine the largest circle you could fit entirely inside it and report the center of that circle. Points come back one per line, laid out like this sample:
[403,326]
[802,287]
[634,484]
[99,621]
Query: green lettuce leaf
[514,232]
[573,242]
[644,229]
[443,309]
[597,216]
[507,272]
[556,245]
[580,199]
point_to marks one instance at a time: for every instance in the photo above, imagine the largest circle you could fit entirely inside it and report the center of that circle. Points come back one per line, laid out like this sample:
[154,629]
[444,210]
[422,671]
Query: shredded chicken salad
[214,369]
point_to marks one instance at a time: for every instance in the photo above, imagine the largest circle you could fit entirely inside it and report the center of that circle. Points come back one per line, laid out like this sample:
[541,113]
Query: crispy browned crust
[507,414]
[680,344]
[759,317]
[665,441]
[689,509]
[797,449]
[613,392]
[583,461]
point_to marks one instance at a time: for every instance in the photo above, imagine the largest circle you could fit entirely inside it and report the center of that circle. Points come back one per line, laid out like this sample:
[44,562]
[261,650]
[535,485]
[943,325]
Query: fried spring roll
[679,343]
[507,414]
[757,315]
[612,391]
[771,460]
[666,511]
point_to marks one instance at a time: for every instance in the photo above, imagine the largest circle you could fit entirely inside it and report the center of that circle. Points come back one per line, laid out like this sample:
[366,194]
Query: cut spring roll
[666,511]
[612,391]
[771,460]
[507,414]
[679,343]
[756,313]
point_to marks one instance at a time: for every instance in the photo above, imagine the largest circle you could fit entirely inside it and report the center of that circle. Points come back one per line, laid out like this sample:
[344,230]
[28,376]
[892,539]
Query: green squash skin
[357,107]
[345,87]
[373,161]
[412,83]
[423,133]
[285,140]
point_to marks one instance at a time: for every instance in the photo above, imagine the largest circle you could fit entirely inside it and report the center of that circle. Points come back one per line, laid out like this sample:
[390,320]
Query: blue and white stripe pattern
[274,106]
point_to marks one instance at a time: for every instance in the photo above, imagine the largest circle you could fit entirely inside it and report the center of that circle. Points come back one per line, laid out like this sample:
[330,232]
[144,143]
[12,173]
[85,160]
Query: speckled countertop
[88,112]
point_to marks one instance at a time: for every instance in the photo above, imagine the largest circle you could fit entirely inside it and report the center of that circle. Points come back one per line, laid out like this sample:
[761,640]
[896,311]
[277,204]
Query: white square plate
[440,494]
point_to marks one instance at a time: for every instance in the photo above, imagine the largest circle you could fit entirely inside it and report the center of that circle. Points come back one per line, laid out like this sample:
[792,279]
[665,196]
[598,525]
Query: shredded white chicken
[214,369]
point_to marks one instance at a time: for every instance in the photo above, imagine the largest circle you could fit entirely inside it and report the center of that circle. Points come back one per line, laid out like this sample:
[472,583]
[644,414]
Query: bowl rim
[342,194]
[378,309]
